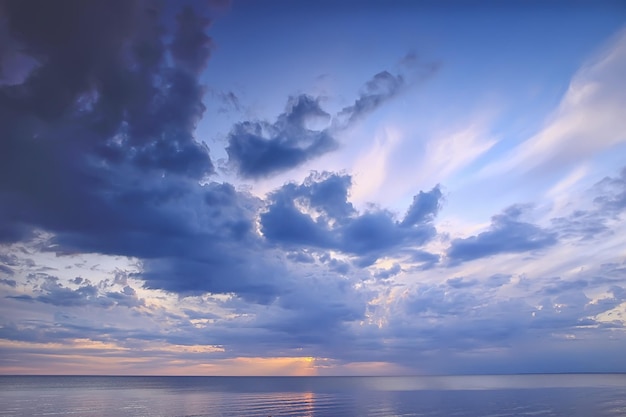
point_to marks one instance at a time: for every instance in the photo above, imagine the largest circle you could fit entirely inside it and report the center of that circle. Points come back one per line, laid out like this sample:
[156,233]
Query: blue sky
[312,188]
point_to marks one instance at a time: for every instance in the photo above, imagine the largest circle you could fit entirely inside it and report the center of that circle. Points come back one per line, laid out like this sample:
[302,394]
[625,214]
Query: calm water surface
[484,396]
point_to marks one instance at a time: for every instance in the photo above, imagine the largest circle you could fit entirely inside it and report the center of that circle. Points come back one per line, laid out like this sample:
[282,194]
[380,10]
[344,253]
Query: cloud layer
[120,240]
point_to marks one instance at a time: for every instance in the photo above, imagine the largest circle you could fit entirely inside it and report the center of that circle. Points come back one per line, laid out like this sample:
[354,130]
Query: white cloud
[560,193]
[371,167]
[449,152]
[589,119]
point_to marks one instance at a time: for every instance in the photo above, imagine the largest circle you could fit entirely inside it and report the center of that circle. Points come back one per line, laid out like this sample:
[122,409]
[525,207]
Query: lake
[590,395]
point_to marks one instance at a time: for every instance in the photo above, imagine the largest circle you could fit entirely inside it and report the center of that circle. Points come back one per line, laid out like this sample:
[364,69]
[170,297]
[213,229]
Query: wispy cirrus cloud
[587,121]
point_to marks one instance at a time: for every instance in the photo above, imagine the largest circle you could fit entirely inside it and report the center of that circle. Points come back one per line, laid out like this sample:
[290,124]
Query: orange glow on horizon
[88,357]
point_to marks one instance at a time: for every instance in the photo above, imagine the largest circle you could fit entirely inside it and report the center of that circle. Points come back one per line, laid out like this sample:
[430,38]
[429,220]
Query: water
[468,396]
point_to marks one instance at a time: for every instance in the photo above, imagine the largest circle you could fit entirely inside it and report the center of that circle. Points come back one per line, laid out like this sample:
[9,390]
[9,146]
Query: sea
[571,395]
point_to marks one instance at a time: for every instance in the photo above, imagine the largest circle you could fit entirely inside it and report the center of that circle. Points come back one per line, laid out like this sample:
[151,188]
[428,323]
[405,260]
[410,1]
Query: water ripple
[313,397]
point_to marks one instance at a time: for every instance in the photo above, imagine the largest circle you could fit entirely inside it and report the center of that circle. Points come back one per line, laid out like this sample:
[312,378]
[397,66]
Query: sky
[312,188]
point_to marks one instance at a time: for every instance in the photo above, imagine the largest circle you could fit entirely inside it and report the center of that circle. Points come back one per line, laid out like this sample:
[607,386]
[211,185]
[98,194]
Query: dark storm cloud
[191,46]
[507,234]
[98,148]
[259,149]
[102,100]
[329,220]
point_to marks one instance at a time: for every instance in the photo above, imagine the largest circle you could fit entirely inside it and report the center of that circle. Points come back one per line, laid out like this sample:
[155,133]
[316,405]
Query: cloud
[376,91]
[582,224]
[612,198]
[608,204]
[384,86]
[451,151]
[104,105]
[506,234]
[460,282]
[498,280]
[191,46]
[260,149]
[244,273]
[8,282]
[99,152]
[426,260]
[229,101]
[316,314]
[104,90]
[99,160]
[317,214]
[489,319]
[371,168]
[51,291]
[6,270]
[388,273]
[587,121]
[425,207]
[301,257]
